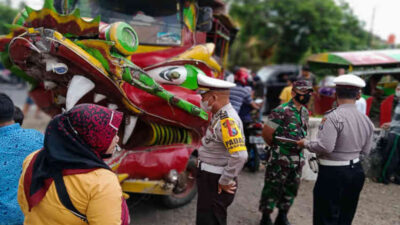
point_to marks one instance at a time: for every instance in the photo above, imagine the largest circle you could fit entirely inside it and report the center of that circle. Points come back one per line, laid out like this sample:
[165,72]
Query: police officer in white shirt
[221,157]
[344,135]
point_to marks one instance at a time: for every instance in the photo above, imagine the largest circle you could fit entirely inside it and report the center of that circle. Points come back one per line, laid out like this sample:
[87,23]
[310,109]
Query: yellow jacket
[286,94]
[96,194]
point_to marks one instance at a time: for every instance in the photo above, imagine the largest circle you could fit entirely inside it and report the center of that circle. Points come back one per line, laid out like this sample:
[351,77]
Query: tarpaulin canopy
[358,58]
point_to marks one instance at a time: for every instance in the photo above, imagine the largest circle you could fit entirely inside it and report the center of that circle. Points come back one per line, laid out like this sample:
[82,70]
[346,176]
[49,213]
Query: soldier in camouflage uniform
[283,170]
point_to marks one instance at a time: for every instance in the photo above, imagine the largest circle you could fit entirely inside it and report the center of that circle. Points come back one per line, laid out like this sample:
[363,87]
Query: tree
[285,31]
[7,15]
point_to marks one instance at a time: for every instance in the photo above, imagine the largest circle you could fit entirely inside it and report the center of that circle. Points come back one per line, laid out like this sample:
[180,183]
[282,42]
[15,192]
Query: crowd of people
[60,177]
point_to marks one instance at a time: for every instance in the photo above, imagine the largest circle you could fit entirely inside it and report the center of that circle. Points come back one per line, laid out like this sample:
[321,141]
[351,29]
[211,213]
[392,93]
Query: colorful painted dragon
[70,59]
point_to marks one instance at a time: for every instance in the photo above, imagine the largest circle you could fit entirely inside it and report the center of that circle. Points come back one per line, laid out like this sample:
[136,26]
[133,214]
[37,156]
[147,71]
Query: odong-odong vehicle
[144,58]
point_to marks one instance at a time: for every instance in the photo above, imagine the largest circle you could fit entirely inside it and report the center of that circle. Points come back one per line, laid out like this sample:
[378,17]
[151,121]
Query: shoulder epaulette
[329,111]
[223,115]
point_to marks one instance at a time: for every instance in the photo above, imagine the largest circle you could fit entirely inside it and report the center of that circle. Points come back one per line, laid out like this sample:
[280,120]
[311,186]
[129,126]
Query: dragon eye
[175,75]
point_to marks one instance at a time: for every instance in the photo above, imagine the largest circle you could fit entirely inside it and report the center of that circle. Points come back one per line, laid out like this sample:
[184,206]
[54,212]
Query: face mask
[302,99]
[204,105]
[398,94]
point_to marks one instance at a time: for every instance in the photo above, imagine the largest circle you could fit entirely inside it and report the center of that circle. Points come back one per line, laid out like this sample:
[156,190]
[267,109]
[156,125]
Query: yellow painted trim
[153,139]
[61,19]
[130,106]
[322,57]
[150,48]
[115,167]
[103,45]
[225,57]
[202,52]
[125,195]
[157,187]
[78,50]
[122,176]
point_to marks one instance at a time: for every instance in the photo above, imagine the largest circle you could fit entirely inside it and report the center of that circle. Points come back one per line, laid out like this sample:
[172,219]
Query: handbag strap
[64,196]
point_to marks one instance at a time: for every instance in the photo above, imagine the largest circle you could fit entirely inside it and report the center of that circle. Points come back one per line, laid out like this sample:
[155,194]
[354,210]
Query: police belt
[210,168]
[326,162]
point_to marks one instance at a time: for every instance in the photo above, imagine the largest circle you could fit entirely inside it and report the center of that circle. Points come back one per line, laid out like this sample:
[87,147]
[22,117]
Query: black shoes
[282,219]
[266,219]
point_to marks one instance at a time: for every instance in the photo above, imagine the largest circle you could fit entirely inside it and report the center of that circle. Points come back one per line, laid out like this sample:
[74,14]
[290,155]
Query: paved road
[243,211]
[379,205]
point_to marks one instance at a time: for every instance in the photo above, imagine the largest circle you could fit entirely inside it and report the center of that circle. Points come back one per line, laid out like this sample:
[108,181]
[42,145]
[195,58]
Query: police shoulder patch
[232,136]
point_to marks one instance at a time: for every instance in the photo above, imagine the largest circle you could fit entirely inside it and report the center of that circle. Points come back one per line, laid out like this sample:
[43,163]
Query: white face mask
[204,105]
[397,93]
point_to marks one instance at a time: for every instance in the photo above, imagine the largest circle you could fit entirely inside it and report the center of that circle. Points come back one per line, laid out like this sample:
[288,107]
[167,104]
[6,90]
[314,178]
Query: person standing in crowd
[18,116]
[67,182]
[221,157]
[344,134]
[391,153]
[245,112]
[28,103]
[286,93]
[240,95]
[361,105]
[307,75]
[259,94]
[286,160]
[16,144]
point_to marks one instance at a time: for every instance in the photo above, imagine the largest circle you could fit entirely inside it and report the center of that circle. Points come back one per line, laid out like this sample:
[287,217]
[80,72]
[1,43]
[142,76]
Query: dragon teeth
[112,106]
[98,97]
[48,85]
[78,87]
[129,127]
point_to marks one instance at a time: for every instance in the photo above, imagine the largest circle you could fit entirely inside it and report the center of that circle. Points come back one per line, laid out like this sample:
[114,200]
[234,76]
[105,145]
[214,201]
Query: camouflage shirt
[290,123]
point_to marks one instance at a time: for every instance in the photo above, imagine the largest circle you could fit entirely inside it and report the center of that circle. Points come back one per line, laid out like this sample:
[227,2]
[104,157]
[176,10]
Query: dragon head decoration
[69,60]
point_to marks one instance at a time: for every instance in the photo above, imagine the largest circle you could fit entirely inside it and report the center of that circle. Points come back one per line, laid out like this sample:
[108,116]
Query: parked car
[273,78]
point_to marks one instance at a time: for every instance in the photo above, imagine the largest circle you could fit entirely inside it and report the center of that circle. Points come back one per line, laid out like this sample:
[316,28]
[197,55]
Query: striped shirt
[239,95]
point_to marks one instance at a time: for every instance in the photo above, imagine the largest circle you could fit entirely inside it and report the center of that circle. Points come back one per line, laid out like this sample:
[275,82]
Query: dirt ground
[379,204]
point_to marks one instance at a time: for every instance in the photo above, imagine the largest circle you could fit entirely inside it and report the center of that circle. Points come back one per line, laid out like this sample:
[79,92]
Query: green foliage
[7,15]
[286,31]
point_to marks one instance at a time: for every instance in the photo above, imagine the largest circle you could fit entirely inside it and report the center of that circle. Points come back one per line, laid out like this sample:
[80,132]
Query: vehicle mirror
[205,19]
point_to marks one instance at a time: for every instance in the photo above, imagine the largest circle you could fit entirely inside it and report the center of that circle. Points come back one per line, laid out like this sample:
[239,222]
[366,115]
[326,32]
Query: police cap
[349,80]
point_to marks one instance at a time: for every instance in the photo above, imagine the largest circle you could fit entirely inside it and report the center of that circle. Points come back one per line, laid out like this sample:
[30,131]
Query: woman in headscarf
[67,182]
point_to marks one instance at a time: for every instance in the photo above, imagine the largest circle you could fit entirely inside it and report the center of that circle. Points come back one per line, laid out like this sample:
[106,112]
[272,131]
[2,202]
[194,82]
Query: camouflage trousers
[282,180]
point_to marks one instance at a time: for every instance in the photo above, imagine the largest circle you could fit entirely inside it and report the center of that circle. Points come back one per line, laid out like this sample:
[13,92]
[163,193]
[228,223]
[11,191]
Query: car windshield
[157,22]
[264,73]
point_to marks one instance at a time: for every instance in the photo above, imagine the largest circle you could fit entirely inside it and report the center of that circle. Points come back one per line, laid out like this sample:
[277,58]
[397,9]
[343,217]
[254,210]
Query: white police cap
[349,80]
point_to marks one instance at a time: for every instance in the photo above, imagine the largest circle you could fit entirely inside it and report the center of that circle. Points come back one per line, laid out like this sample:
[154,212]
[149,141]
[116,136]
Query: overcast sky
[387,14]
